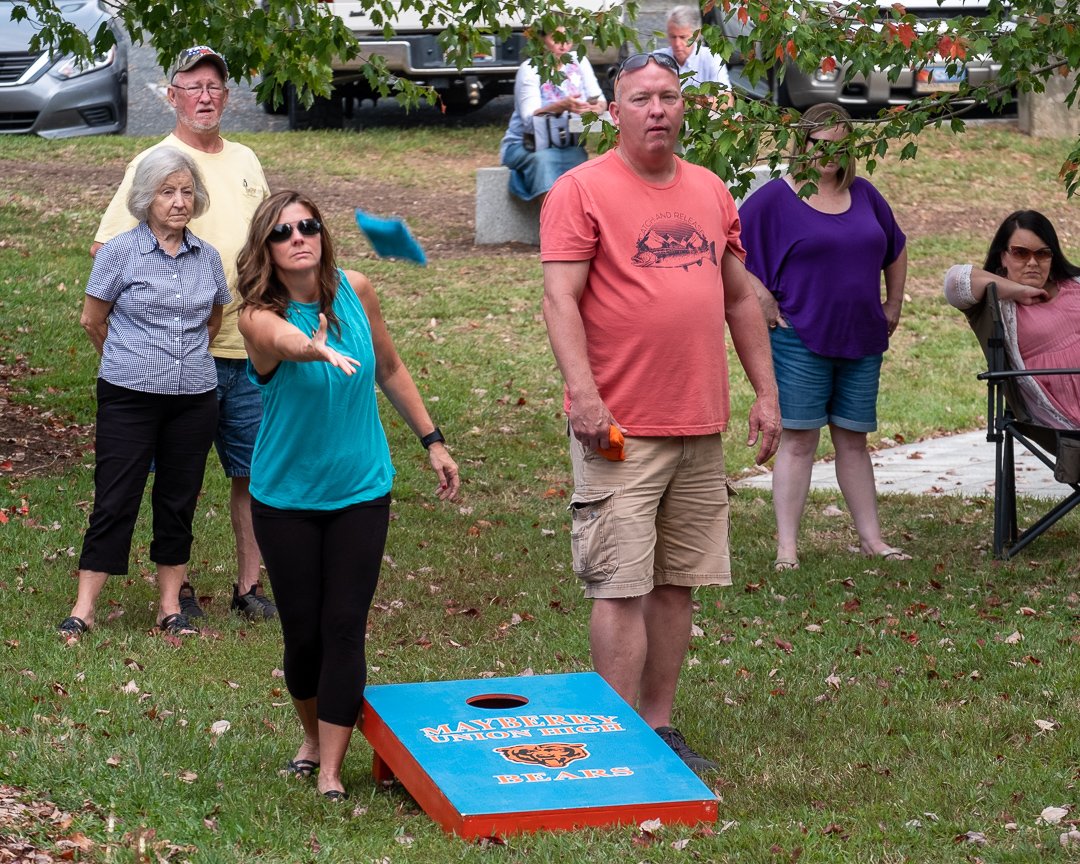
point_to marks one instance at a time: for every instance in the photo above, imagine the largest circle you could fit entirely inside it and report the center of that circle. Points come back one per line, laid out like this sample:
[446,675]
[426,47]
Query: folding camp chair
[1009,421]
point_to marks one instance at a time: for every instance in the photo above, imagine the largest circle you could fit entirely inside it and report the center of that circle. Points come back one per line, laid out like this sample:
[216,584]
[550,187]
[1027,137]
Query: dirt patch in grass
[34,442]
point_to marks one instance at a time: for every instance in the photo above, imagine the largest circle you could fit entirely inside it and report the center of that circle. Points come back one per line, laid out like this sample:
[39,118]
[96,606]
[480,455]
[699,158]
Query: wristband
[432,437]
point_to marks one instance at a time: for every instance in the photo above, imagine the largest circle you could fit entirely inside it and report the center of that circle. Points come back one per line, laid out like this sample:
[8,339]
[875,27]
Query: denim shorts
[239,416]
[816,390]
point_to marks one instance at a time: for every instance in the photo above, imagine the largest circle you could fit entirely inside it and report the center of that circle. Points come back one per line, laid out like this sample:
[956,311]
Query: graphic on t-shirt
[673,242]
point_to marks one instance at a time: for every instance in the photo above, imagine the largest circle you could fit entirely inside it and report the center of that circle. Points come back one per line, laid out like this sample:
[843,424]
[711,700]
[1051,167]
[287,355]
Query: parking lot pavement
[952,465]
[149,112]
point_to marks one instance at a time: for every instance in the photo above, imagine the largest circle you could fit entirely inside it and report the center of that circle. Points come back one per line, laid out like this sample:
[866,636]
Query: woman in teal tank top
[321,473]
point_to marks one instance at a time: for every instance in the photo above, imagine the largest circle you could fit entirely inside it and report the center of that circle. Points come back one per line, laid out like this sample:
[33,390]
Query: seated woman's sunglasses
[282,232]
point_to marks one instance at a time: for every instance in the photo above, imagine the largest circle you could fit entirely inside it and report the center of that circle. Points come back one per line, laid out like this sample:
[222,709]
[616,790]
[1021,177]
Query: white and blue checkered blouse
[158,340]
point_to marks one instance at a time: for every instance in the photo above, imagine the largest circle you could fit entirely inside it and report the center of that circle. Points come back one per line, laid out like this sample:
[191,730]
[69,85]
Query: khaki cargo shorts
[658,518]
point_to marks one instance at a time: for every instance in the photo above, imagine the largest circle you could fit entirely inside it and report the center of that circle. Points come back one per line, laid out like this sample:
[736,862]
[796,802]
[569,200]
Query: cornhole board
[499,756]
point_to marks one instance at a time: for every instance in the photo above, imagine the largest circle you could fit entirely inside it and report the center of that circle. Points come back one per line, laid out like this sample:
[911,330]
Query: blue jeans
[534,172]
[239,416]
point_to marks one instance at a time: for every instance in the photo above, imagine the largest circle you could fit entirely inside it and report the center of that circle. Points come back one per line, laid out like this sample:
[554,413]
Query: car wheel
[323,113]
[780,93]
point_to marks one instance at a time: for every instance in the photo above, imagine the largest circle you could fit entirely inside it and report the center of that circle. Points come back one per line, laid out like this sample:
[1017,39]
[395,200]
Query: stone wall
[1045,115]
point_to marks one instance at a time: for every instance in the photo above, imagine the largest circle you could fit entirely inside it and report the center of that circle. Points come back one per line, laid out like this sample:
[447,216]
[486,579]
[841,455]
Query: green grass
[903,693]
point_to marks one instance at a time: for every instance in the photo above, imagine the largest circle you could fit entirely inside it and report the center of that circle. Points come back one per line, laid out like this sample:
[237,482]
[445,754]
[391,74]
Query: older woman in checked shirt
[153,303]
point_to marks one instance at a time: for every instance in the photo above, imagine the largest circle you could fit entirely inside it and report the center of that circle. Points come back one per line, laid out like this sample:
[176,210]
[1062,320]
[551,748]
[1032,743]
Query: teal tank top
[321,445]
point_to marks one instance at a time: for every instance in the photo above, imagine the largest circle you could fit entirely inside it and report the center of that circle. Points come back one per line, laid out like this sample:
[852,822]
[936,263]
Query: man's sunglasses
[307,227]
[637,61]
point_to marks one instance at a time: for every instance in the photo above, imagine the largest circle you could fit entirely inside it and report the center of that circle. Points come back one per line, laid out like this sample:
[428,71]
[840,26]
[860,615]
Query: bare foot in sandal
[889,553]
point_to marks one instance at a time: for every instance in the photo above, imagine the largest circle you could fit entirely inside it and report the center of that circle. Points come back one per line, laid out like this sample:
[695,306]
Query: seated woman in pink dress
[1040,309]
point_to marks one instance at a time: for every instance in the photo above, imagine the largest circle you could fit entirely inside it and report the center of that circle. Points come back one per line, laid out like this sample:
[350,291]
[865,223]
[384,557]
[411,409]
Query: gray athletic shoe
[189,602]
[694,761]
[253,605]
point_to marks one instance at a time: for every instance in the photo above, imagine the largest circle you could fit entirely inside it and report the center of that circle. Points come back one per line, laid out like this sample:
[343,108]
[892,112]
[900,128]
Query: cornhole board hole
[500,756]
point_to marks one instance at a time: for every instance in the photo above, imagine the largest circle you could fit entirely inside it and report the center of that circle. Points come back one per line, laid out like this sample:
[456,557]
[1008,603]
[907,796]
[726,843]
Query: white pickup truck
[413,52]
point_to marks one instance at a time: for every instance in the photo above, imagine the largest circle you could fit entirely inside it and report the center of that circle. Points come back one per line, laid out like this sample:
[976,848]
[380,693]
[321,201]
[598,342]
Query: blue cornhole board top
[600,753]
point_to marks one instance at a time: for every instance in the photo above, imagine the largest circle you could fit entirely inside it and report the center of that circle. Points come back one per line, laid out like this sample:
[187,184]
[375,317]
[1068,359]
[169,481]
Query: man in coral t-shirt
[642,269]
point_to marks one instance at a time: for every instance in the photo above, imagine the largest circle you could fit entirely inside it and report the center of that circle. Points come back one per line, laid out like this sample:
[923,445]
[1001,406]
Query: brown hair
[825,115]
[257,281]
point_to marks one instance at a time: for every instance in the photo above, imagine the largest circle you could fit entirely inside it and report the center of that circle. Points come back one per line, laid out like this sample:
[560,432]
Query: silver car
[60,97]
[876,91]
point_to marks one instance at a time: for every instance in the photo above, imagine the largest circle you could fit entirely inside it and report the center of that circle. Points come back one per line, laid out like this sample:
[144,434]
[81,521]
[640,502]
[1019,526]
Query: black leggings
[323,566]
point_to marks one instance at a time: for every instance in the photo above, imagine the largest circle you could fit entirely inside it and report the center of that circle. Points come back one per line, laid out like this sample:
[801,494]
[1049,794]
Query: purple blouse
[824,268]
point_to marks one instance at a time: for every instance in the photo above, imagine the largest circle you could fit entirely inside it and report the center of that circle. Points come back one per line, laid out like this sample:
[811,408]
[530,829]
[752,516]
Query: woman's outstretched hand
[322,352]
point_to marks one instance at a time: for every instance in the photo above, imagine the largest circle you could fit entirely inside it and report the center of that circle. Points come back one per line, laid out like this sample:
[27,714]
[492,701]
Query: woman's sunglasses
[1023,254]
[637,61]
[307,227]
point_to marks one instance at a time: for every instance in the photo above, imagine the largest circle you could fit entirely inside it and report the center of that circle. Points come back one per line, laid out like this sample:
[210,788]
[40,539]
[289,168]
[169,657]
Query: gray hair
[153,170]
[685,16]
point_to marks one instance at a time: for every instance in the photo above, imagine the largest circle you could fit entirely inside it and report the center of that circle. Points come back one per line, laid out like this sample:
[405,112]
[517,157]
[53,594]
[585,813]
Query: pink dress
[1048,336]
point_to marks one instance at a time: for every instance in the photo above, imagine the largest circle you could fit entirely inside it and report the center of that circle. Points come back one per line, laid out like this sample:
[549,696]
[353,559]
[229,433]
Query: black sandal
[73,628]
[336,795]
[177,624]
[301,768]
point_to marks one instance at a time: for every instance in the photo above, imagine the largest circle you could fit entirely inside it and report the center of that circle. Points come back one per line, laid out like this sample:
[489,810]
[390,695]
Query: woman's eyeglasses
[282,232]
[637,61]
[1023,254]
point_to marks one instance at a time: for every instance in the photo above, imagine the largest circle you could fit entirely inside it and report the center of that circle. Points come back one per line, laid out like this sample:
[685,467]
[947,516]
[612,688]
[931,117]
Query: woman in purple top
[816,263]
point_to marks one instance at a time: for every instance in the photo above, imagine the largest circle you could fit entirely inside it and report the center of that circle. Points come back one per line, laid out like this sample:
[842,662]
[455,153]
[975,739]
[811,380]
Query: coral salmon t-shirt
[653,306]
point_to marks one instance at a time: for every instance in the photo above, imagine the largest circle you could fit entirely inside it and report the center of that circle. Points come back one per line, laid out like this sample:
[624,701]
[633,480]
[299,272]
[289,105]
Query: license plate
[936,79]
[487,54]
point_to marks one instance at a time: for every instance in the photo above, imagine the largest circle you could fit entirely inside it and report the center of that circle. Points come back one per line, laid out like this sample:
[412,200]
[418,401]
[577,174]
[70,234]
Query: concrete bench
[503,218]
[500,216]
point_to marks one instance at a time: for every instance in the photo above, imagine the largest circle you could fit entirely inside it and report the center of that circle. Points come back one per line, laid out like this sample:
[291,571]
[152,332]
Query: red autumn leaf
[828,65]
[900,10]
[743,15]
[779,52]
[6,465]
[3,518]
[906,35]
[792,51]
[852,605]
[786,647]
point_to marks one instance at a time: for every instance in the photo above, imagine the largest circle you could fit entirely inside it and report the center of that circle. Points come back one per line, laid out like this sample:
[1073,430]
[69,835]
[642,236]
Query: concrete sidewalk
[953,465]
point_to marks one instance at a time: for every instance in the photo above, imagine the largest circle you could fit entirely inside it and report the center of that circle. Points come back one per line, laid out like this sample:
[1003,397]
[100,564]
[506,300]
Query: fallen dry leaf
[1053,815]
[1070,838]
[220,727]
